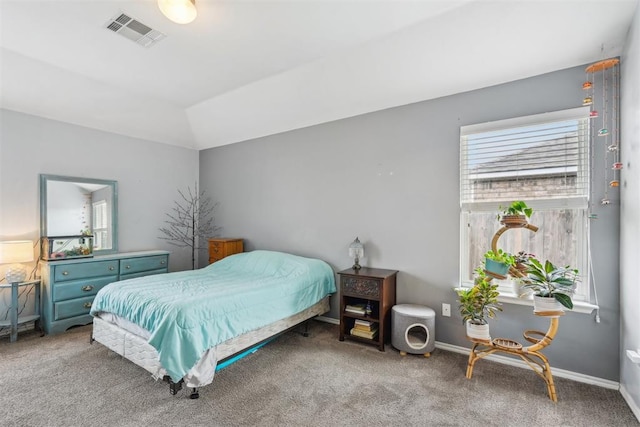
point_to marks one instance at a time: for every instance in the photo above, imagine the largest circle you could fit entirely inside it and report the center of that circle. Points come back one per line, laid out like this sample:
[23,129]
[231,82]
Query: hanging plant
[515,215]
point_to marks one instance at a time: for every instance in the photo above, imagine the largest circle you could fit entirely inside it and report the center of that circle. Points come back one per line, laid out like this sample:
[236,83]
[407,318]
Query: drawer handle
[162,262]
[87,288]
[65,273]
[87,305]
[215,249]
[111,268]
[128,267]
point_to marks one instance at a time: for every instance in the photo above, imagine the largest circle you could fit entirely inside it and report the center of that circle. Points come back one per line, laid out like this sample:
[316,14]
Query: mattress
[128,340]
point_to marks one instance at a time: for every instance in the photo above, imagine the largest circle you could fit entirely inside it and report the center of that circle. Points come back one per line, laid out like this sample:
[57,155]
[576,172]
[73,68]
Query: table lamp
[356,251]
[14,252]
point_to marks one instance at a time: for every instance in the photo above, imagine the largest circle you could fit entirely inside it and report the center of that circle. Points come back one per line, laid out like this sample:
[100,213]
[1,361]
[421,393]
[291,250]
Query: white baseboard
[575,376]
[627,397]
[328,320]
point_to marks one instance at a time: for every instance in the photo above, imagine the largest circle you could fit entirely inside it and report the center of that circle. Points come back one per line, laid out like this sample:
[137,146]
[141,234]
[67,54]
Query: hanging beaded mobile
[609,120]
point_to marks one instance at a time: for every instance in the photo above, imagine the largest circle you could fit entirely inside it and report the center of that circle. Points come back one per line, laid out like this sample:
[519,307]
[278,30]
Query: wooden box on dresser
[373,286]
[223,247]
[69,286]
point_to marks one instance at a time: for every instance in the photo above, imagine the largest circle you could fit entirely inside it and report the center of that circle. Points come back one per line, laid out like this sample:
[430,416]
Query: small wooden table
[14,318]
[531,355]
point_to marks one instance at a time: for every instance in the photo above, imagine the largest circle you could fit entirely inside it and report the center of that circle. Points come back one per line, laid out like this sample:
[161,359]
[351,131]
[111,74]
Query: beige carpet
[62,380]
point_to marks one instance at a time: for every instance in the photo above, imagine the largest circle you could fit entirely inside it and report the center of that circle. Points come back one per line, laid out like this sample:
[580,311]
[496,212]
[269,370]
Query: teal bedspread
[190,311]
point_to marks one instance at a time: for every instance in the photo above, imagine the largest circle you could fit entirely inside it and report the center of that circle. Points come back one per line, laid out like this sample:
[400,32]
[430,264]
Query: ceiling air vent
[134,30]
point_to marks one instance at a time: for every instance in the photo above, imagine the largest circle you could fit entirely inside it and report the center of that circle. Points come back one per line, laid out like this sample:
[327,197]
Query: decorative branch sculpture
[191,222]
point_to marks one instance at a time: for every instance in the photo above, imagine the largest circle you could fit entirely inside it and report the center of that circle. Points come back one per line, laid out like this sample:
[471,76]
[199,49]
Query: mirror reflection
[80,206]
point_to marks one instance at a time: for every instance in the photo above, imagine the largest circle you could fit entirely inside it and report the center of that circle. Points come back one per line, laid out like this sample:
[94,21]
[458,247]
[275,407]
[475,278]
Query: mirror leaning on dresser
[79,256]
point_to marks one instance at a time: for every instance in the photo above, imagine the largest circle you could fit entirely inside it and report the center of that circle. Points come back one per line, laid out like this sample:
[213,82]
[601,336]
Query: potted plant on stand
[552,286]
[522,261]
[478,304]
[515,215]
[497,264]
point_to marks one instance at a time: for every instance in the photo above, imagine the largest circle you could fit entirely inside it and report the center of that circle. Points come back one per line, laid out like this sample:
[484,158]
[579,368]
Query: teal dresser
[69,286]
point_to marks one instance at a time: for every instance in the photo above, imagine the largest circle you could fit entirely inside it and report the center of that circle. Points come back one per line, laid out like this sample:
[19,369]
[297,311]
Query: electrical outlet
[446,310]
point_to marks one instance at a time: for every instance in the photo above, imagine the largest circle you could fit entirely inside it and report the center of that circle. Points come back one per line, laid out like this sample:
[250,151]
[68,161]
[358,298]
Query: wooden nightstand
[373,287]
[221,247]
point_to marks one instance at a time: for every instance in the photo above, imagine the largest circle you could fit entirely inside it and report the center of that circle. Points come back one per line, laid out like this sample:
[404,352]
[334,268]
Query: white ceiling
[249,68]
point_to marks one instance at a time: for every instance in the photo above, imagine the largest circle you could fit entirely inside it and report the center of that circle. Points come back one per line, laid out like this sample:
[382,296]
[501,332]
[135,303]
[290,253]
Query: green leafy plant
[501,256]
[517,208]
[550,281]
[480,302]
[479,274]
[523,257]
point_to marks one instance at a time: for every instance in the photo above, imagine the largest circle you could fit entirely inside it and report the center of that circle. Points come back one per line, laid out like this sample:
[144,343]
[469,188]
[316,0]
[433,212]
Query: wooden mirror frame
[45,179]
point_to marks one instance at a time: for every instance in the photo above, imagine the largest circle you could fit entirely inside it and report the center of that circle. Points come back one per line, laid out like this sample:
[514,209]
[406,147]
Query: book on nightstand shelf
[364,334]
[364,325]
[355,309]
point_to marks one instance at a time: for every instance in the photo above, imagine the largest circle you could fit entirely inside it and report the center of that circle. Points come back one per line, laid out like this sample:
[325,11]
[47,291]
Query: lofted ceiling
[250,68]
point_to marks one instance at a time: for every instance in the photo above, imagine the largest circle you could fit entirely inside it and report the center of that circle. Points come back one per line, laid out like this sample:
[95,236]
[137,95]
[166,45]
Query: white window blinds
[540,157]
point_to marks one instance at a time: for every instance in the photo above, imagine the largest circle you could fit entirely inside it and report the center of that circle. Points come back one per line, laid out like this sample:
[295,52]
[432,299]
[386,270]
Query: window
[100,225]
[541,159]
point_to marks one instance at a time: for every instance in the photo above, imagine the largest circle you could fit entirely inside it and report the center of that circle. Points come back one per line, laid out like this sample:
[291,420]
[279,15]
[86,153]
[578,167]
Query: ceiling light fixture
[179,11]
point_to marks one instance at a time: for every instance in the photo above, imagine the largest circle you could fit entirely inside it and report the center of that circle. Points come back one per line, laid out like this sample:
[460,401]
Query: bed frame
[139,351]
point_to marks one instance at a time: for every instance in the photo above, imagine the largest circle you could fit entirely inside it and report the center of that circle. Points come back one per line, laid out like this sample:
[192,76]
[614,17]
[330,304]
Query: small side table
[14,320]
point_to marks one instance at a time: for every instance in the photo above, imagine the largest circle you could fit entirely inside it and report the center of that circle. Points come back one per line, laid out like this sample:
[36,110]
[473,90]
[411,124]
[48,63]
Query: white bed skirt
[136,348]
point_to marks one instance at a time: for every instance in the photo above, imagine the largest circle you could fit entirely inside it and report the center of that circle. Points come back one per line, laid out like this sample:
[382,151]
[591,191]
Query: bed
[180,326]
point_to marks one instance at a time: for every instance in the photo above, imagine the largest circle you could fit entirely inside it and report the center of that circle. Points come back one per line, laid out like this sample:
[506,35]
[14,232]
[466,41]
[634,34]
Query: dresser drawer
[215,245]
[137,265]
[215,256]
[72,308]
[80,288]
[361,286]
[220,248]
[142,274]
[85,270]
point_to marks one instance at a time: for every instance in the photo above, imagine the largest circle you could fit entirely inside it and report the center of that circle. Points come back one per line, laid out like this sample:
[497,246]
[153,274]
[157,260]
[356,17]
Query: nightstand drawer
[80,288]
[220,248]
[361,286]
[215,254]
[72,308]
[85,270]
[136,265]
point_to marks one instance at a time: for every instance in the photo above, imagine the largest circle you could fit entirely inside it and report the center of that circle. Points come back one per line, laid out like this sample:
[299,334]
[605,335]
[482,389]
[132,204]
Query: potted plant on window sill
[522,261]
[552,286]
[516,215]
[497,264]
[478,304]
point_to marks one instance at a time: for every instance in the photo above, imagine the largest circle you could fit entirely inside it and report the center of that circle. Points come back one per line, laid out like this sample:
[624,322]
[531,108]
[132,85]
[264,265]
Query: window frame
[100,209]
[578,202]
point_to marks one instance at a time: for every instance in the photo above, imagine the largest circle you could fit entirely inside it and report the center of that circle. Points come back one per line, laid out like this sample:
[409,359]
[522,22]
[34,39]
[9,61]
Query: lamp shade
[16,251]
[179,11]
[356,249]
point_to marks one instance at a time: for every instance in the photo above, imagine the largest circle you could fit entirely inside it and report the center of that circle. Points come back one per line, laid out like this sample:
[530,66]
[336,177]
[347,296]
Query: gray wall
[630,214]
[148,174]
[391,178]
